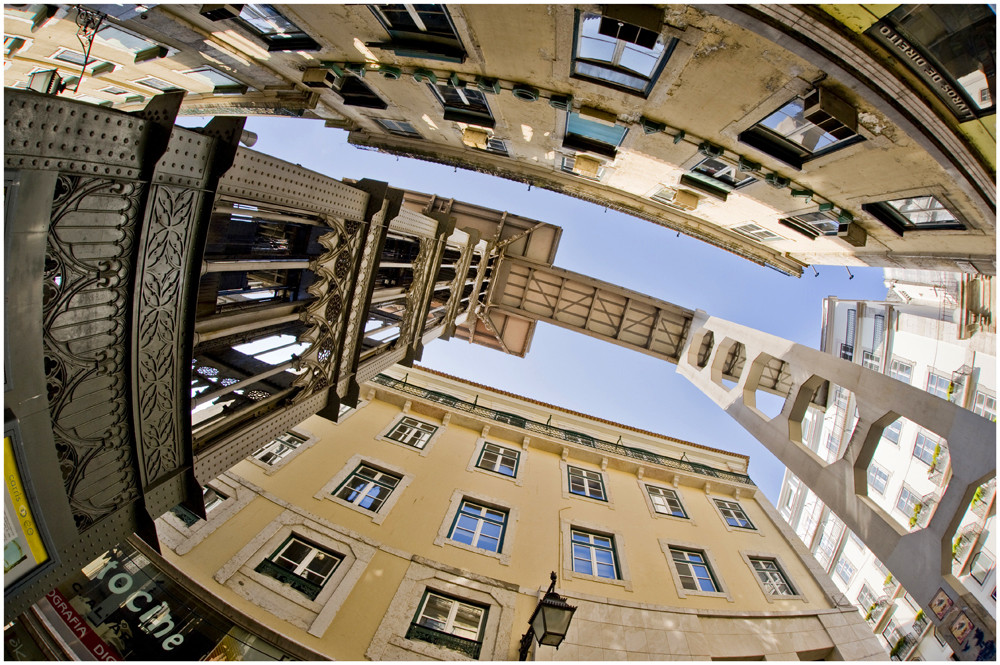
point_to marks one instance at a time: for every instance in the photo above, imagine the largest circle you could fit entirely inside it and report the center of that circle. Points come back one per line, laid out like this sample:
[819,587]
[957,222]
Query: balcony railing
[927,503]
[562,434]
[983,498]
[877,609]
[309,589]
[447,640]
[964,541]
[903,647]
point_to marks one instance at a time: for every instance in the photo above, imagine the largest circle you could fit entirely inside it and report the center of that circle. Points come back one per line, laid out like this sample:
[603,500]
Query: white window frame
[181,538]
[139,81]
[895,369]
[452,613]
[398,421]
[987,406]
[313,616]
[309,441]
[878,468]
[936,378]
[567,527]
[585,497]
[836,569]
[921,441]
[479,451]
[749,557]
[720,510]
[389,641]
[566,163]
[668,544]
[645,486]
[758,232]
[459,496]
[327,491]
[75,68]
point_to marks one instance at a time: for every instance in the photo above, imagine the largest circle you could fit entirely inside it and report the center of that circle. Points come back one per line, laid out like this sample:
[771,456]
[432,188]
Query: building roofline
[579,414]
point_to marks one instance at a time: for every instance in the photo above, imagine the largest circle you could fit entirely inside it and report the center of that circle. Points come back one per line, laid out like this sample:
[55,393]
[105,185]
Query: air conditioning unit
[678,198]
[588,166]
[831,114]
[475,138]
[320,77]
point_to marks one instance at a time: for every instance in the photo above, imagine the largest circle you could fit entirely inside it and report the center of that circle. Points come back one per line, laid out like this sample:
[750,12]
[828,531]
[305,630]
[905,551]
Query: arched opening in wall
[701,348]
[728,365]
[767,386]
[904,469]
[822,418]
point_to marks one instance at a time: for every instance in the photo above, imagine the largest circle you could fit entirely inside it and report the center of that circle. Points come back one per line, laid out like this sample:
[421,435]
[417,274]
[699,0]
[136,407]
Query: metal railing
[309,589]
[447,640]
[562,434]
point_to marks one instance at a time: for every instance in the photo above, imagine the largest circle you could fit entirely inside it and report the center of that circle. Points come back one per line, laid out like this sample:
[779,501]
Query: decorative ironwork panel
[86,308]
[469,647]
[308,589]
[366,265]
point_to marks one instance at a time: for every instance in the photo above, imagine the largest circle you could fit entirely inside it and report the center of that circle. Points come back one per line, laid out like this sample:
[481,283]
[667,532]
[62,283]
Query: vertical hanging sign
[23,549]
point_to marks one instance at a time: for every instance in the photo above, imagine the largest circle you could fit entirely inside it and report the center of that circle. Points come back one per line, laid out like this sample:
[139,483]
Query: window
[499,459]
[733,513]
[279,448]
[906,501]
[913,214]
[716,178]
[866,597]
[788,135]
[355,92]
[368,487]
[212,499]
[463,104]
[420,31]
[114,90]
[757,232]
[398,128]
[220,83]
[985,405]
[12,44]
[844,570]
[497,146]
[594,554]
[586,483]
[157,84]
[958,45]
[665,502]
[981,566]
[142,48]
[891,633]
[870,360]
[618,54]
[901,371]
[301,565]
[772,577]
[277,32]
[878,478]
[813,224]
[569,162]
[77,59]
[583,134]
[479,526]
[923,448]
[449,623]
[693,570]
[938,385]
[412,432]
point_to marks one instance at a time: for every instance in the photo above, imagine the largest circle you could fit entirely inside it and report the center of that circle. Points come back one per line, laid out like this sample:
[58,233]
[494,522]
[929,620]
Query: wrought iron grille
[562,434]
[309,589]
[447,640]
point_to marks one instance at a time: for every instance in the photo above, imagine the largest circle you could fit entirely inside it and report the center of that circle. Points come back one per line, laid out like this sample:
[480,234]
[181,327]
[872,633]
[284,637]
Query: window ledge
[625,584]
[504,559]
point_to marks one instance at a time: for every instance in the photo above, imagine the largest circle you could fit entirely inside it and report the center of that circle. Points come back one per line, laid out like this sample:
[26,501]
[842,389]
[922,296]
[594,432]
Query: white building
[913,336]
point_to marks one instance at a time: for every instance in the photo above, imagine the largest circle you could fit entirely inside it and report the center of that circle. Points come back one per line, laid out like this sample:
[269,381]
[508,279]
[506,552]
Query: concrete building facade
[914,337]
[826,148]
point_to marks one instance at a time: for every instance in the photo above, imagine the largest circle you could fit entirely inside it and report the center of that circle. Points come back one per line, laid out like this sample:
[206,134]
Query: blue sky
[570,369]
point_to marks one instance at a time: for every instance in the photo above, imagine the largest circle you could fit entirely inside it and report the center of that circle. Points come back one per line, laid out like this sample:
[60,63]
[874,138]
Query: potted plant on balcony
[917,507]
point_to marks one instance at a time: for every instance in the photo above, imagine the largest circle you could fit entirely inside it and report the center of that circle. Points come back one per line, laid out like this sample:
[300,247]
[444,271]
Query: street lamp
[550,621]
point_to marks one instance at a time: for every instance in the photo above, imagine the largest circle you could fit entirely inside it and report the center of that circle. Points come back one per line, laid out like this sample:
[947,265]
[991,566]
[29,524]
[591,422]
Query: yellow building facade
[424,524]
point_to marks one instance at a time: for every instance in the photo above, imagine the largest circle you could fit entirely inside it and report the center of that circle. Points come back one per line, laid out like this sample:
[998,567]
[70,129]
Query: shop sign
[23,549]
[140,613]
[939,81]
[94,644]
